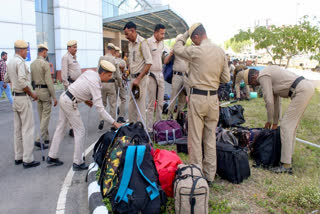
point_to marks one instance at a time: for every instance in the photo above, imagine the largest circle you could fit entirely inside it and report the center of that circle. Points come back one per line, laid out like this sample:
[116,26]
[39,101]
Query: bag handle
[192,200]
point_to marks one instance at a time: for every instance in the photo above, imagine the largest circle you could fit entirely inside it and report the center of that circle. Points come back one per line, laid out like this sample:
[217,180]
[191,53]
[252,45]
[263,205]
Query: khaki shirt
[275,82]
[116,75]
[179,64]
[41,75]
[208,64]
[70,67]
[156,49]
[88,86]
[18,74]
[121,62]
[139,55]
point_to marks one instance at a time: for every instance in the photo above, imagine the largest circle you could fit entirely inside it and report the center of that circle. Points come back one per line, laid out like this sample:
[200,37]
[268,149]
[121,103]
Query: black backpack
[266,150]
[138,189]
[101,147]
[231,116]
[133,130]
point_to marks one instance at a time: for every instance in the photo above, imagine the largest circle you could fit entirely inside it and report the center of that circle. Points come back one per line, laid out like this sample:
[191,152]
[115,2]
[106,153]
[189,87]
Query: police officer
[108,90]
[140,61]
[18,74]
[42,81]
[208,66]
[278,82]
[87,88]
[237,78]
[70,67]
[156,80]
[123,92]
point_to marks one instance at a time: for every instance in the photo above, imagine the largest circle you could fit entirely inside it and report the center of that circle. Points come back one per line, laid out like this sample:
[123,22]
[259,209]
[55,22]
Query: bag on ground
[166,132]
[191,191]
[166,163]
[225,136]
[182,145]
[101,147]
[231,116]
[243,136]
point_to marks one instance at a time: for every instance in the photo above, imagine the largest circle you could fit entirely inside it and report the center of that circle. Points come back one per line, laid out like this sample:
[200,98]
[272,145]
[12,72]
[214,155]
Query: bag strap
[192,200]
[174,135]
[152,190]
[124,191]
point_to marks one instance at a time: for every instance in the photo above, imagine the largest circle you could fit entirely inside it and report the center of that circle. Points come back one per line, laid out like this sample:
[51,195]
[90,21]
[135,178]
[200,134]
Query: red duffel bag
[166,164]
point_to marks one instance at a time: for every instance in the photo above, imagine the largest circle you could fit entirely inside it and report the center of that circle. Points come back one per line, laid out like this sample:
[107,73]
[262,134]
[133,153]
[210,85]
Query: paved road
[36,190]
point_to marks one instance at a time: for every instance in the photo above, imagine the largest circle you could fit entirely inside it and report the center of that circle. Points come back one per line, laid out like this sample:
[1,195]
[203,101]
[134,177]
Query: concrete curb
[96,205]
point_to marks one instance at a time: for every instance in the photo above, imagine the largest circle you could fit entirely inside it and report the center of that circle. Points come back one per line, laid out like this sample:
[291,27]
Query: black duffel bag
[101,147]
[231,116]
[266,150]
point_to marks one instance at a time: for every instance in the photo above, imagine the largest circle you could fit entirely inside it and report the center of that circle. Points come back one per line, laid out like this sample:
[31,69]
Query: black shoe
[80,167]
[31,164]
[71,133]
[54,161]
[121,120]
[37,144]
[101,125]
[17,162]
[46,142]
[282,169]
[210,183]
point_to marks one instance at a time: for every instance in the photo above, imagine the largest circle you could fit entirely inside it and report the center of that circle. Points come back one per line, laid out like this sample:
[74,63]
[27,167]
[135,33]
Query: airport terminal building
[93,23]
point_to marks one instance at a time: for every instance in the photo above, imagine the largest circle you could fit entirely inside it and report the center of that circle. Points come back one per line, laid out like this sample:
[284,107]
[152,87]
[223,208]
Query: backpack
[101,147]
[168,71]
[243,135]
[191,191]
[167,131]
[254,134]
[138,189]
[132,130]
[266,150]
[231,116]
[232,162]
[166,163]
[182,119]
[225,136]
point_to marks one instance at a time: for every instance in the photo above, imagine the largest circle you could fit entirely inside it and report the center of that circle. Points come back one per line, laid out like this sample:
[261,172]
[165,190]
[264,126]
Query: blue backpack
[168,71]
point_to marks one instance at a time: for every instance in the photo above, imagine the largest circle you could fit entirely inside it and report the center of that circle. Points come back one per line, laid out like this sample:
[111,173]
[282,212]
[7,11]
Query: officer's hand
[274,126]
[124,77]
[34,96]
[89,103]
[55,102]
[136,82]
[267,125]
[117,125]
[4,85]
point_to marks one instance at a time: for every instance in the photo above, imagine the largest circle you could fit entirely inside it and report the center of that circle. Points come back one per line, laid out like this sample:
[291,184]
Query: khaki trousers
[141,101]
[23,128]
[44,111]
[109,92]
[292,117]
[177,83]
[68,112]
[123,99]
[152,90]
[203,116]
[239,77]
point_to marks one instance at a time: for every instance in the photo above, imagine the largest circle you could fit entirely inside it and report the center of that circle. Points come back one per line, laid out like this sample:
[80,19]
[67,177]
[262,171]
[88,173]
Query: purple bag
[167,131]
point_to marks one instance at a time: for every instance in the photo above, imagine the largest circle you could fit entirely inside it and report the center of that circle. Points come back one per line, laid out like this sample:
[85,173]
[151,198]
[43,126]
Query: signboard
[28,54]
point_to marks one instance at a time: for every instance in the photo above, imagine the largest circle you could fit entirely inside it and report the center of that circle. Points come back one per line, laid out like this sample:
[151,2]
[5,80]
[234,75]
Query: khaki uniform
[208,66]
[70,69]
[123,91]
[154,84]
[86,87]
[41,75]
[178,81]
[18,74]
[276,82]
[239,78]
[139,56]
[109,89]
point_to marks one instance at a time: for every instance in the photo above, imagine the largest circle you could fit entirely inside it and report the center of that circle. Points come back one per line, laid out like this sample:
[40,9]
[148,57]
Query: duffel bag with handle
[166,132]
[191,190]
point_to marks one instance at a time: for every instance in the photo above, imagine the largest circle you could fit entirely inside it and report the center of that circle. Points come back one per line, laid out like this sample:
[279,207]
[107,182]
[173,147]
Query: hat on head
[107,66]
[43,46]
[117,48]
[21,44]
[111,45]
[193,28]
[72,42]
[246,76]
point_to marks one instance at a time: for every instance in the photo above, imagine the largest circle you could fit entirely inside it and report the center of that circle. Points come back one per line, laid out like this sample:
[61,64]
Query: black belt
[70,80]
[41,86]
[135,75]
[72,98]
[111,80]
[202,92]
[19,94]
[294,85]
[178,73]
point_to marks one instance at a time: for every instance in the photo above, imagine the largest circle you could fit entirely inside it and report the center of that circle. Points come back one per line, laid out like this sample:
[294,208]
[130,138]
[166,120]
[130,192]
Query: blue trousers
[6,90]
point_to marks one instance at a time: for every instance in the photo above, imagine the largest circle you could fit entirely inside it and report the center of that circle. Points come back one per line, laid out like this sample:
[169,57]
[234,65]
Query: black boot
[100,127]
[17,162]
[80,167]
[31,164]
[54,161]
[38,144]
[71,133]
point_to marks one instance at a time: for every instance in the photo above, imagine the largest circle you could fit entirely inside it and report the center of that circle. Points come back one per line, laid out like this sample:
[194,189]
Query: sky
[224,18]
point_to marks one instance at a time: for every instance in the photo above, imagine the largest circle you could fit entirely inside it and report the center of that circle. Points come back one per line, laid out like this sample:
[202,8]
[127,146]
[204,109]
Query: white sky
[223,18]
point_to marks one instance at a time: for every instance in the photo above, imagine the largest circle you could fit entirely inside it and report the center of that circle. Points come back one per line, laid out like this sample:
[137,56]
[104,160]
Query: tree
[236,46]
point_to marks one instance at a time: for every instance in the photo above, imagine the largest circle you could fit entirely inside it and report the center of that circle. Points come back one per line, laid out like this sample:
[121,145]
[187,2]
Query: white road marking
[61,204]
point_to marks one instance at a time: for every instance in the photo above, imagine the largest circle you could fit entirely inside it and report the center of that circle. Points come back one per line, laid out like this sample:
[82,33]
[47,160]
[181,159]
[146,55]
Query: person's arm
[168,58]
[277,107]
[148,62]
[268,96]
[225,75]
[49,82]
[179,49]
[64,72]
[23,81]
[6,78]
